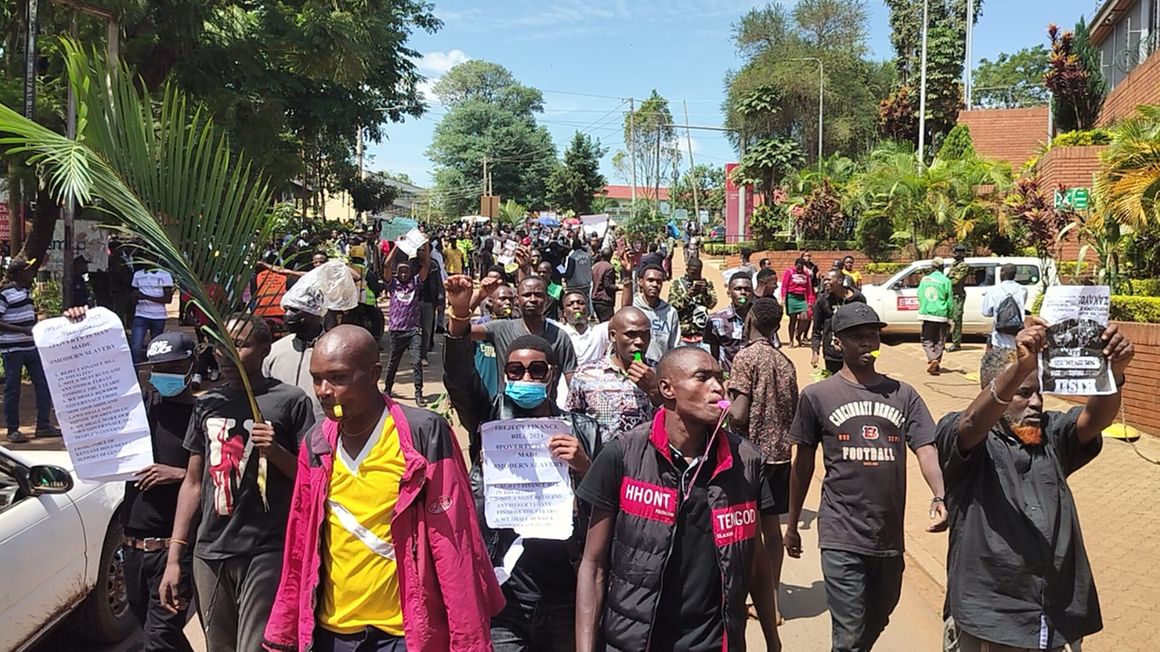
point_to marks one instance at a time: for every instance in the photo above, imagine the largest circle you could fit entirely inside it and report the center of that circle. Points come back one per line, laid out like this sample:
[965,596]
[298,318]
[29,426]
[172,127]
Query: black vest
[646,525]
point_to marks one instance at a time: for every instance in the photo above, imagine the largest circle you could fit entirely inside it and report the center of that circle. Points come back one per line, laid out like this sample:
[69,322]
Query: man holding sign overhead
[534,562]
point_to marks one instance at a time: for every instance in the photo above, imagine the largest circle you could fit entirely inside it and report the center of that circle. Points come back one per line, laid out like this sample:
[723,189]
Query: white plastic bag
[326,287]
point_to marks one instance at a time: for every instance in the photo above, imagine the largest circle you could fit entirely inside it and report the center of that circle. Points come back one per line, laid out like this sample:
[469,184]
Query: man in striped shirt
[17,317]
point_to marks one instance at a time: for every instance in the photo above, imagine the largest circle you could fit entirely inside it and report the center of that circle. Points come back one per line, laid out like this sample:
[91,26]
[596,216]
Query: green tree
[1074,78]
[372,194]
[1012,81]
[775,92]
[490,117]
[577,180]
[651,145]
[767,163]
[708,181]
[946,36]
[958,144]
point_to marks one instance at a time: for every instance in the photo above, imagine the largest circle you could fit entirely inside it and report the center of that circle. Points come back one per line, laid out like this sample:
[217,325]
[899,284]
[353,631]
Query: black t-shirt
[689,616]
[150,513]
[862,430]
[544,574]
[233,520]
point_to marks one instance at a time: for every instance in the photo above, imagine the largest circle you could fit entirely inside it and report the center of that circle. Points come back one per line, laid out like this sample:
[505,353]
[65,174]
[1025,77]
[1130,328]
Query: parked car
[896,300]
[59,542]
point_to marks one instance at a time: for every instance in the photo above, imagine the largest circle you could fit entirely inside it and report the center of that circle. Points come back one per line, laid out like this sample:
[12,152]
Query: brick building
[1011,135]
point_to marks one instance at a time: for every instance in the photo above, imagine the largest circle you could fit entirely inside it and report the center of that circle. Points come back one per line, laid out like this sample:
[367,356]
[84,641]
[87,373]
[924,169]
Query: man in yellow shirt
[452,258]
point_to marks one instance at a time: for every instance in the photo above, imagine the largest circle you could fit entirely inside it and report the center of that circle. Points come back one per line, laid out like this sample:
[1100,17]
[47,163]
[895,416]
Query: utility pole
[922,87]
[821,99]
[632,150]
[968,85]
[692,166]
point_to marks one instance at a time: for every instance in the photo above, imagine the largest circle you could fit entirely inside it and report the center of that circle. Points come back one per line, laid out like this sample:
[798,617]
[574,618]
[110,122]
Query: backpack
[1008,316]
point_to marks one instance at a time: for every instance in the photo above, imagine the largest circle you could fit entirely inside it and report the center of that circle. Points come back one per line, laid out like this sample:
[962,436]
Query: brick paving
[1113,494]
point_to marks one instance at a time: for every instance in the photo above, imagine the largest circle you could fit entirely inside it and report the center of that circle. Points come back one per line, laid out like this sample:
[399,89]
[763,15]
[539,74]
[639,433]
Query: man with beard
[835,293]
[725,331]
[1018,576]
[864,422]
[672,548]
[289,359]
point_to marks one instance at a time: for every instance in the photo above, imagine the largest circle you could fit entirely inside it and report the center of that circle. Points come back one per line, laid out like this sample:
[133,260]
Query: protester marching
[624,474]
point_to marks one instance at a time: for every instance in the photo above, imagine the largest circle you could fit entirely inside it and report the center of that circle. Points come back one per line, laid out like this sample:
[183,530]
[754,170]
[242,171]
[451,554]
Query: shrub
[723,249]
[873,236]
[1144,287]
[884,268]
[1082,138]
[1136,309]
[1071,267]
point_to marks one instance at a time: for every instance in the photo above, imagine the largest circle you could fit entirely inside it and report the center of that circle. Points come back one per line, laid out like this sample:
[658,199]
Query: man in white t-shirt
[153,290]
[590,340]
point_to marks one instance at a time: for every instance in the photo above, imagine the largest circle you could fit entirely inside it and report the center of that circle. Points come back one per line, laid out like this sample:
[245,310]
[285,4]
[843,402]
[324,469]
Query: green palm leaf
[167,177]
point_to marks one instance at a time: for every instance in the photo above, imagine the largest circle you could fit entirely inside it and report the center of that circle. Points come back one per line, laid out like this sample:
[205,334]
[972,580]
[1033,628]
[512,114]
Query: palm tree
[166,176]
[1128,183]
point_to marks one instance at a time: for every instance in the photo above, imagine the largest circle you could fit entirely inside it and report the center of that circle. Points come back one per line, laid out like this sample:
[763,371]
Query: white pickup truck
[896,300]
[59,542]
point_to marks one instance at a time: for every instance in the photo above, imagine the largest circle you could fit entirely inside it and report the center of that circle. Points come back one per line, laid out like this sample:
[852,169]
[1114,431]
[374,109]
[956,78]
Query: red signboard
[907,303]
[5,225]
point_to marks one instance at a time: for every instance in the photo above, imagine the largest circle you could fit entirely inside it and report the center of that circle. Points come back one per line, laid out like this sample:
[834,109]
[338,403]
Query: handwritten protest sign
[1073,362]
[95,393]
[524,487]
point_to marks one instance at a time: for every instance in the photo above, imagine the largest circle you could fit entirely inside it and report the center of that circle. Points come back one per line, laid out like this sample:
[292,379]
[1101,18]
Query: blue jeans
[141,327]
[14,362]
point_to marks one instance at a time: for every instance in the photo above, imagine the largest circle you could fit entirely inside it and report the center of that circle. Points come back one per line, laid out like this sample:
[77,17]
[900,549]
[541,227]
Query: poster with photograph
[1073,360]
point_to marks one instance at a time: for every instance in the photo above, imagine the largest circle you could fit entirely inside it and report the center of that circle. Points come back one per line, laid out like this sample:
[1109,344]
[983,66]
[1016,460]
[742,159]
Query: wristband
[173,540]
[995,396]
[937,499]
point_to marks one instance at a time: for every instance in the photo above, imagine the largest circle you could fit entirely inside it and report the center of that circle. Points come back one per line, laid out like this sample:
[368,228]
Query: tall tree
[491,117]
[946,51]
[1074,78]
[651,146]
[577,180]
[1012,81]
[775,93]
[707,182]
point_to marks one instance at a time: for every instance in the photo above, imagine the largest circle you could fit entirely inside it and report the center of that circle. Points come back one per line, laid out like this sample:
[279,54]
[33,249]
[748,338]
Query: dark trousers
[234,597]
[142,332]
[603,310]
[861,592]
[400,342]
[534,627]
[368,640]
[427,326]
[163,629]
[14,362]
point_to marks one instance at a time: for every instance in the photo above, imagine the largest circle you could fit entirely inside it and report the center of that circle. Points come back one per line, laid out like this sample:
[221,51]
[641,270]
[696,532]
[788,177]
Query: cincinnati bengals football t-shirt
[234,522]
[863,432]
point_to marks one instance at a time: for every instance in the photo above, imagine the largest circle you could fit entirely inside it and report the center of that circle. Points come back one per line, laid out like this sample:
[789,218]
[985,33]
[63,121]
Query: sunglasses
[538,370]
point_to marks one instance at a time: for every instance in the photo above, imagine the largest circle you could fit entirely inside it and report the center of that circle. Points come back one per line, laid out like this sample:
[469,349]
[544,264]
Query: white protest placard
[412,242]
[524,487]
[1073,360]
[95,393]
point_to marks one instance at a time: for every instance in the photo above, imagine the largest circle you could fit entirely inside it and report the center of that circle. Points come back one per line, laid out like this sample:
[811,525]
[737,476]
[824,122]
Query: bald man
[681,500]
[352,509]
[619,389]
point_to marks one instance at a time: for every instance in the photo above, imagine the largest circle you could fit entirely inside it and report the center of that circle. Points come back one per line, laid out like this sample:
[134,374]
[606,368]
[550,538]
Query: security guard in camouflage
[958,275]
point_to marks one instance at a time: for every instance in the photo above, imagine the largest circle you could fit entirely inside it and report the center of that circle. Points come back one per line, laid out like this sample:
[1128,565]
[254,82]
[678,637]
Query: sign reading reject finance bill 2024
[1073,361]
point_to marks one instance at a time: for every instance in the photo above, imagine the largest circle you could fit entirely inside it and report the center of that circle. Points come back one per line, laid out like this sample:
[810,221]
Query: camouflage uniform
[685,301]
[958,276]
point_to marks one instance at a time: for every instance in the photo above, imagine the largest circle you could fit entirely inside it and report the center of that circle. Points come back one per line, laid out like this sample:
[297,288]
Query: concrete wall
[1011,135]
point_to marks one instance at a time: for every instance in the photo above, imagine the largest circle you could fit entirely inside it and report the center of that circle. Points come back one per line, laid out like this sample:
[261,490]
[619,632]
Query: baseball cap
[168,347]
[959,249]
[855,314]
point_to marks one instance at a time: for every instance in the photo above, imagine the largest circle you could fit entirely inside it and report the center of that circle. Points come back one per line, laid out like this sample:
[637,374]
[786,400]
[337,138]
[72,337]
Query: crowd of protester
[688,443]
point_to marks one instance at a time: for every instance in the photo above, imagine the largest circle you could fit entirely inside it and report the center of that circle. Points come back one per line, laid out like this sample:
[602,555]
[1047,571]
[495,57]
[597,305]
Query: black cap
[169,347]
[959,249]
[855,314]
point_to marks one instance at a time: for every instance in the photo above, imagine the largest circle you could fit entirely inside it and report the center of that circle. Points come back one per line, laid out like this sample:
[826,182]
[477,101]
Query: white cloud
[434,64]
[427,91]
[688,142]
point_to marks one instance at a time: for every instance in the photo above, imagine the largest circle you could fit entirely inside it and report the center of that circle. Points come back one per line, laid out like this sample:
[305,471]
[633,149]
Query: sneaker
[16,437]
[932,368]
[420,400]
[47,432]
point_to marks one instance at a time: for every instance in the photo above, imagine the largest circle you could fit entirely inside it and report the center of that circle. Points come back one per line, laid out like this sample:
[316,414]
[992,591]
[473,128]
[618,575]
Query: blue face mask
[168,385]
[526,394]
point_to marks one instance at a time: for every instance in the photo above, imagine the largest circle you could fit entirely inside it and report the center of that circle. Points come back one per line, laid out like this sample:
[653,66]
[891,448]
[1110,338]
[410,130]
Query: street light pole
[922,87]
[968,85]
[821,98]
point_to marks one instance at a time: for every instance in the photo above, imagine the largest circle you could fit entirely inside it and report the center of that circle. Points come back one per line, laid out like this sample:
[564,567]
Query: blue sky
[586,55]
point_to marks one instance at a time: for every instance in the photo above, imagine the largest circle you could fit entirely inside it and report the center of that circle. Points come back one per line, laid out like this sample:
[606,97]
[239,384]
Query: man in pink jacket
[383,550]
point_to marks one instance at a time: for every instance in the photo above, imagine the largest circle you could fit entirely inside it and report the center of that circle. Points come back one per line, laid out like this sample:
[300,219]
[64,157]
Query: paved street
[1113,494]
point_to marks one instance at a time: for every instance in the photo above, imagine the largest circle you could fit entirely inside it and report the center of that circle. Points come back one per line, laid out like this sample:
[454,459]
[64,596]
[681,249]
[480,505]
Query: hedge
[1137,309]
[884,268]
[722,249]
